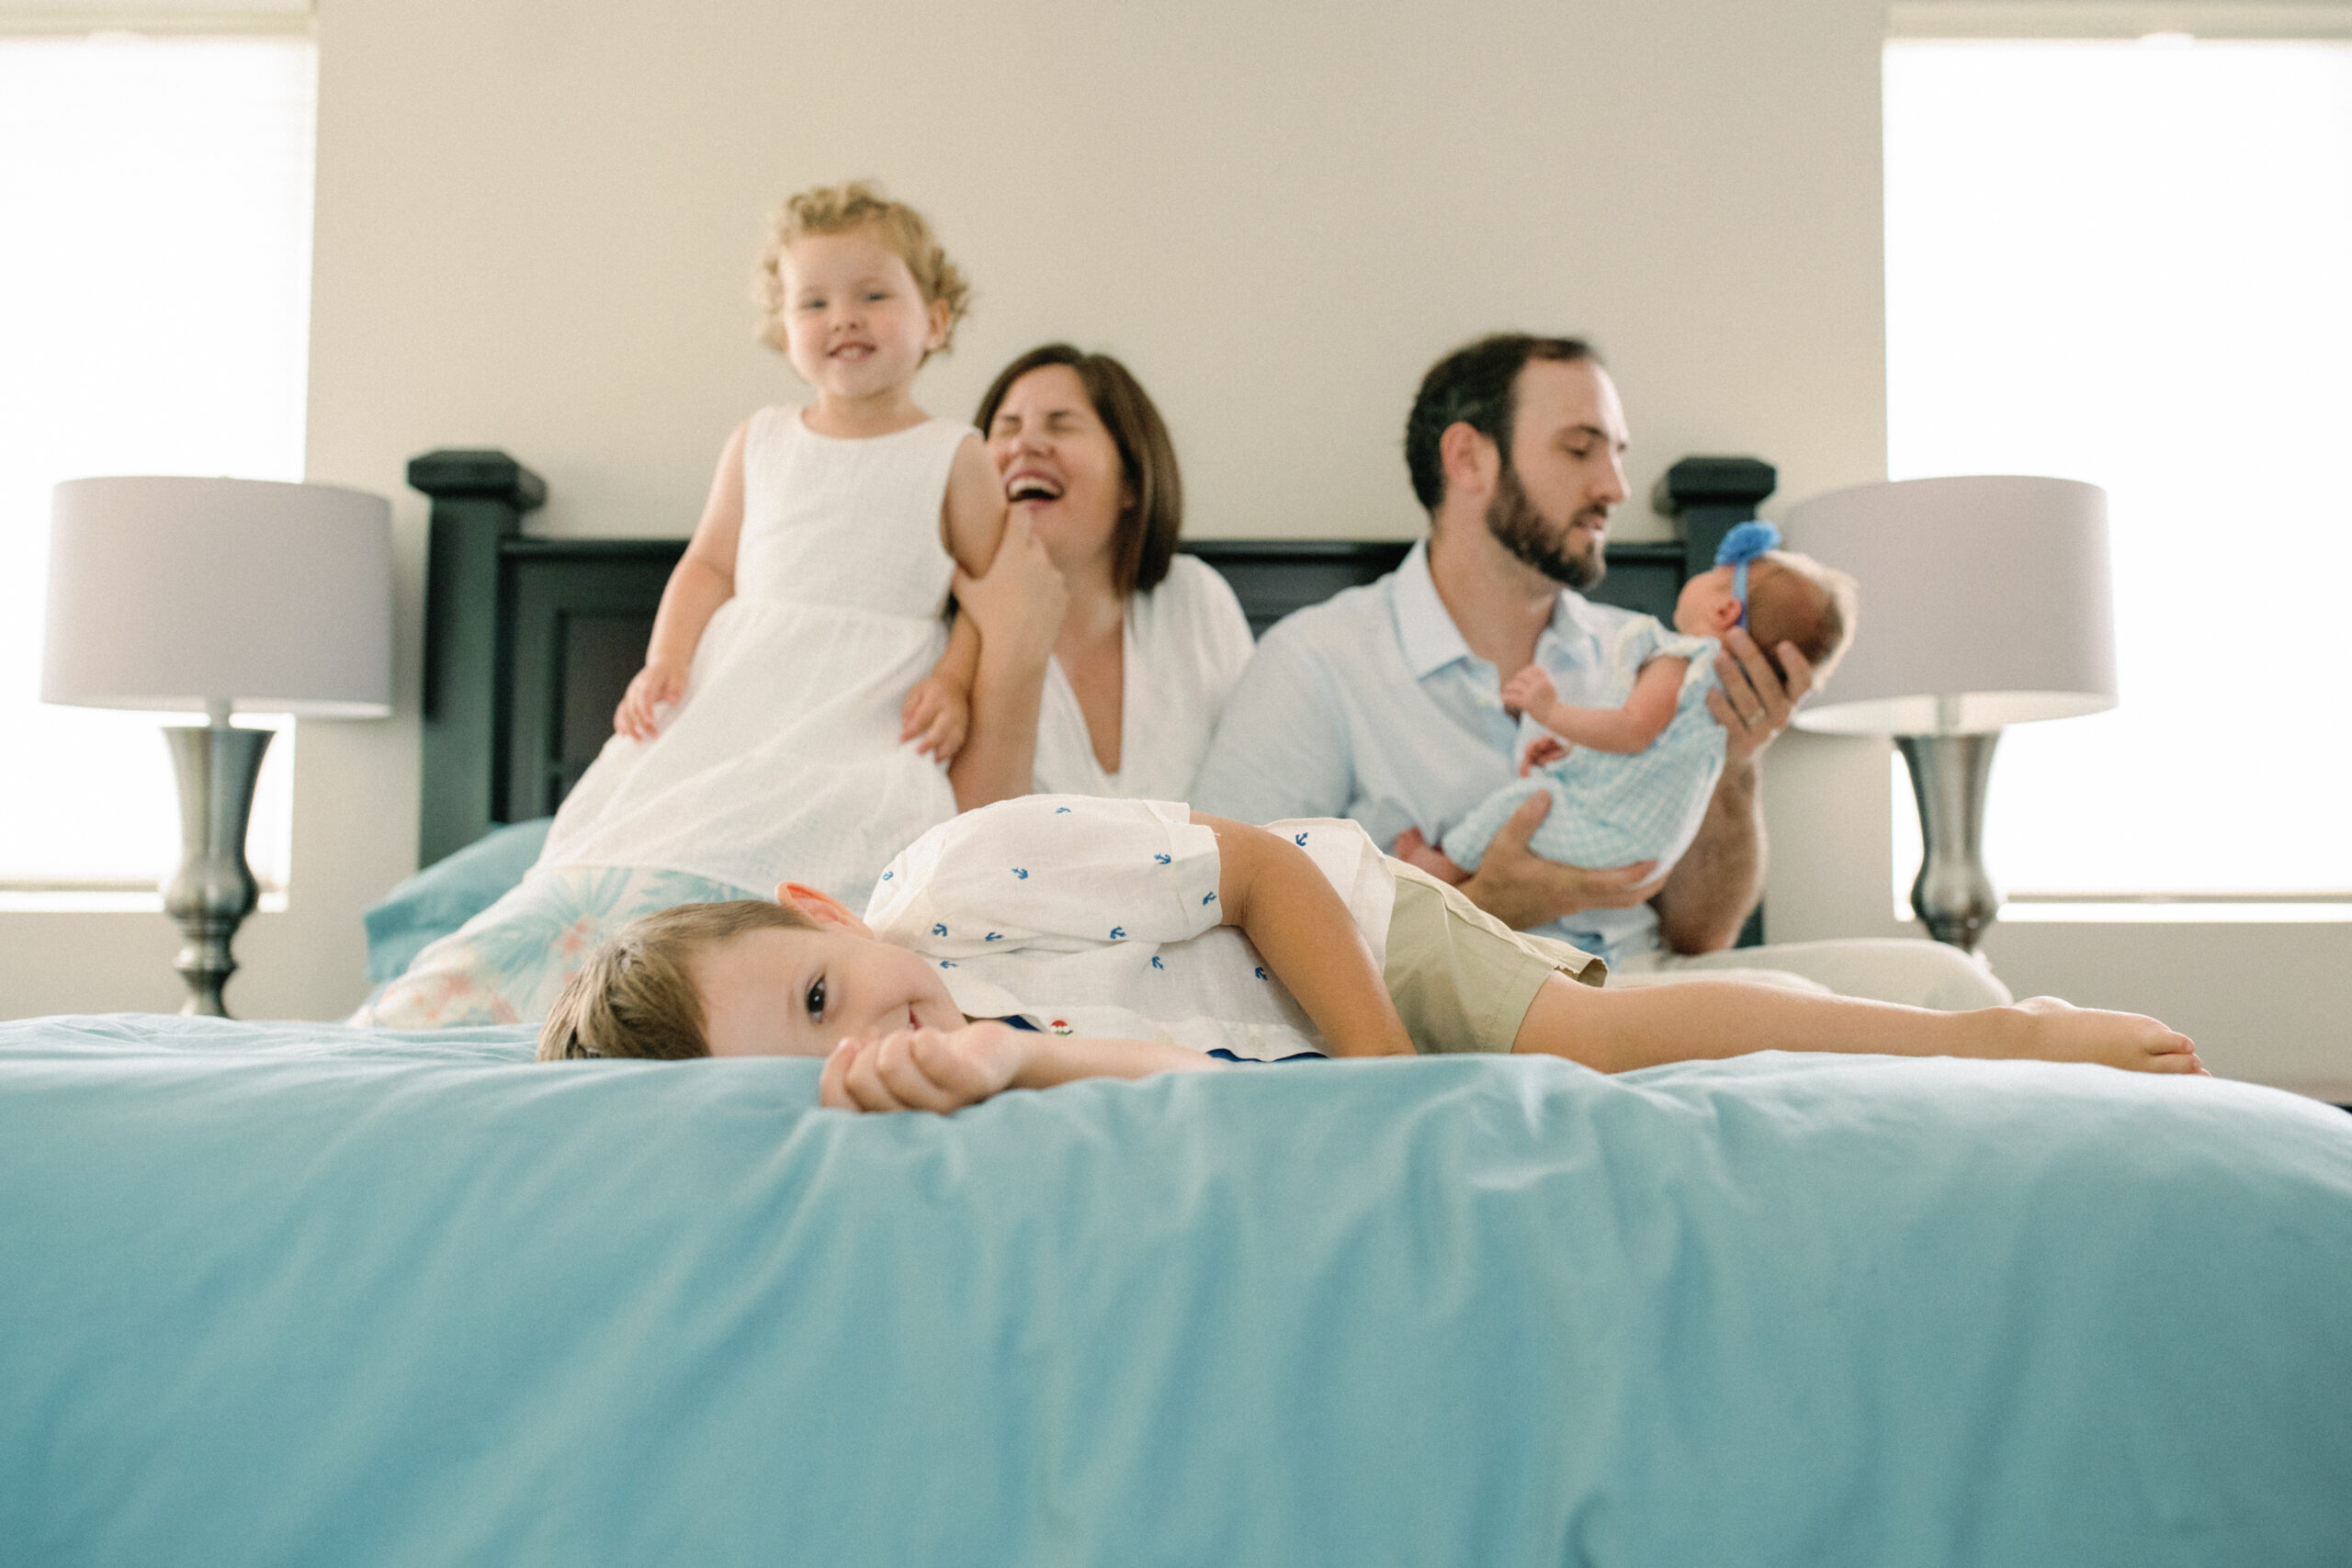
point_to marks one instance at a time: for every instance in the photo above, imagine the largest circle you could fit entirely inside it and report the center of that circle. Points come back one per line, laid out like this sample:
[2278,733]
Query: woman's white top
[784,760]
[1184,645]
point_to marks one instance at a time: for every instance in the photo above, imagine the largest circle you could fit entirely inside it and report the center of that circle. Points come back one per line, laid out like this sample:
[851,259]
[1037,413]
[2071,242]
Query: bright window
[154,318]
[2127,262]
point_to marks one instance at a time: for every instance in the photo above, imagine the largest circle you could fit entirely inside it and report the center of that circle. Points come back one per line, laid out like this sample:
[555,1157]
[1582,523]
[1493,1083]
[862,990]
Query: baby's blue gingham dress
[1610,809]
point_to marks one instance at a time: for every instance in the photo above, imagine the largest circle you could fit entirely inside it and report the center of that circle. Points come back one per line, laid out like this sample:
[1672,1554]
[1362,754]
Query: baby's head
[874,231]
[746,979]
[1791,598]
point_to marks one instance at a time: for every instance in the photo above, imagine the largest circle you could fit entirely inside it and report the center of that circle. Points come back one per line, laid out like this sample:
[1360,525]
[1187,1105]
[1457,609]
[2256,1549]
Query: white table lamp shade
[173,593]
[1985,600]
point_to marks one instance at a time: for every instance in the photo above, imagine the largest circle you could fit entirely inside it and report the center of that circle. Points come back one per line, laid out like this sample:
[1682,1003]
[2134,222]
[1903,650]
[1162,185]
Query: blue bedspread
[300,1294]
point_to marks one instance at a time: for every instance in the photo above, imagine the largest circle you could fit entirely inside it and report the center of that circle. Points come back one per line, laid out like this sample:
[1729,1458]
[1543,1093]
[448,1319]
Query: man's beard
[1526,533]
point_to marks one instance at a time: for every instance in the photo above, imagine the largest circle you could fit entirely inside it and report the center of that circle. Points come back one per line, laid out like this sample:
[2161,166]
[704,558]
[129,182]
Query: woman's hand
[936,717]
[1022,599]
[660,684]
[924,1069]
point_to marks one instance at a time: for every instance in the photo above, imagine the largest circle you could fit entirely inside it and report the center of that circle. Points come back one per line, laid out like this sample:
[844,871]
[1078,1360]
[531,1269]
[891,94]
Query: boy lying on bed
[1060,937]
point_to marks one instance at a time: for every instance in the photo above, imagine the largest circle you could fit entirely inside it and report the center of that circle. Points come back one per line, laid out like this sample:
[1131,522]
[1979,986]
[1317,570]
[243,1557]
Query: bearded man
[1385,702]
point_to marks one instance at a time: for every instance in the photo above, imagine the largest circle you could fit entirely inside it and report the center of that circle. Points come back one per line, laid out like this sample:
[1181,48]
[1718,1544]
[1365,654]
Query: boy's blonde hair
[1803,602]
[637,995]
[839,209]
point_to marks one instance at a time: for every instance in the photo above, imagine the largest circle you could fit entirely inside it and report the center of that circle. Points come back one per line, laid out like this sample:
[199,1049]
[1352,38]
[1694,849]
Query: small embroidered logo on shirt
[1060,1026]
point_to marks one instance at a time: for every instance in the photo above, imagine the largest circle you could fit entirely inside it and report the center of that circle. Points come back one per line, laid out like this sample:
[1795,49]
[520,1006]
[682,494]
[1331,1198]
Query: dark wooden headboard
[529,641]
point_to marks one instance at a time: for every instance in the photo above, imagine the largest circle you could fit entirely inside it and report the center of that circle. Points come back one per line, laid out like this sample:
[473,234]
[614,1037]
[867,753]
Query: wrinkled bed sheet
[295,1293]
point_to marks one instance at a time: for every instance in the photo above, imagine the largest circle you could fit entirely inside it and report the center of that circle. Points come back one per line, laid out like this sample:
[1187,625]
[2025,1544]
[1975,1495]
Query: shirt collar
[1425,629]
[1430,640]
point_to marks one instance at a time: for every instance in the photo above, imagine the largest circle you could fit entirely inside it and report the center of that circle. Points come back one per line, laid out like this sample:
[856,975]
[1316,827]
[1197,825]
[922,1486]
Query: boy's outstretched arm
[1292,916]
[943,1070]
[1617,1029]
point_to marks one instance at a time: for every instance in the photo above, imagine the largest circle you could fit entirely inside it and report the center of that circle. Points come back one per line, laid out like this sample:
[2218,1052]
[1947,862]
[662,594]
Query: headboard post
[478,499]
[1711,496]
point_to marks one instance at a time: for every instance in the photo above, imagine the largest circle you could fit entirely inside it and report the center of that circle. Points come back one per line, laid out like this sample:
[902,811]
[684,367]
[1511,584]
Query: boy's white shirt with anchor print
[1095,917]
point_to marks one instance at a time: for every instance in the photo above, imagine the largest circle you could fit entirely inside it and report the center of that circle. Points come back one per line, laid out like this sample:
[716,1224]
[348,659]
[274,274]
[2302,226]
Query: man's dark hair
[1475,385]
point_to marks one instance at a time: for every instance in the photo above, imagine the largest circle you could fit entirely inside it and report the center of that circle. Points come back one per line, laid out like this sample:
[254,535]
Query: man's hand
[1520,888]
[1749,700]
[924,1069]
[937,715]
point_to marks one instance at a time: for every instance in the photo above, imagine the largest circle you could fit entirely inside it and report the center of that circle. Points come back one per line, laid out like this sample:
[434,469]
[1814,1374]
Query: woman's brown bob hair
[1149,529]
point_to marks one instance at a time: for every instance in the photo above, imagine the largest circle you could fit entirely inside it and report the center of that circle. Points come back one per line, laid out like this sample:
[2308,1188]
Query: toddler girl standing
[800,643]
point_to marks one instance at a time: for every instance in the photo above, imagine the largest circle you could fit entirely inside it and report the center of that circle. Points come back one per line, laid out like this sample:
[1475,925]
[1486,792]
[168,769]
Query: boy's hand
[2057,1032]
[937,715]
[1531,690]
[660,684]
[924,1069]
[1542,753]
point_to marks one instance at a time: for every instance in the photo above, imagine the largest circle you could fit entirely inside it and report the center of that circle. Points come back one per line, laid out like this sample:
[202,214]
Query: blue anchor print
[947,963]
[1156,963]
[993,936]
[1208,897]
[888,874]
[1160,859]
[1061,811]
[1260,971]
[938,931]
[1119,933]
[1299,838]
[1021,873]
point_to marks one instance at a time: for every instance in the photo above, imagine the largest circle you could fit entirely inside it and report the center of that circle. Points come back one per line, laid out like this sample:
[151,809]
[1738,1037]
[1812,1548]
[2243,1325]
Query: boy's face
[855,323]
[789,993]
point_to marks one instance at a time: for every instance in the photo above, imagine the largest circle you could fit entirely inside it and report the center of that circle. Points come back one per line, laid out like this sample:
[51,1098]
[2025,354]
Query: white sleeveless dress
[784,760]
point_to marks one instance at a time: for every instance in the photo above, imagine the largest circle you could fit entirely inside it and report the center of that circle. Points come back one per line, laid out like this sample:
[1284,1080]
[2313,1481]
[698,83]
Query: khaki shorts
[1461,979]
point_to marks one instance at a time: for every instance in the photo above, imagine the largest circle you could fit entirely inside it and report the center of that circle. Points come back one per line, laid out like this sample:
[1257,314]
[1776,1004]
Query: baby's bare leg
[1617,1029]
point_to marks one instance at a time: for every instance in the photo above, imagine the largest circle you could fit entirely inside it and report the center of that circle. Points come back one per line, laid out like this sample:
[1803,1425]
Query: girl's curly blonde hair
[838,210]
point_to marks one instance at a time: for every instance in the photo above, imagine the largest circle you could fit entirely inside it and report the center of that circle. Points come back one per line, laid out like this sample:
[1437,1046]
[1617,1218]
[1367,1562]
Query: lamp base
[213,890]
[1952,895]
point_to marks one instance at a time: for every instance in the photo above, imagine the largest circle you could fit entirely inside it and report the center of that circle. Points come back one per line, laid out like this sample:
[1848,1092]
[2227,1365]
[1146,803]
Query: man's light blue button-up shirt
[1371,705]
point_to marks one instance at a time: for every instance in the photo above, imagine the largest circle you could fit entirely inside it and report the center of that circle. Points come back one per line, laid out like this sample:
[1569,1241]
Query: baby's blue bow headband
[1740,546]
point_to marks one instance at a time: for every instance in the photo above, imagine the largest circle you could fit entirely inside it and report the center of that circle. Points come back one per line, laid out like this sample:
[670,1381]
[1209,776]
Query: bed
[309,1293]
[297,1294]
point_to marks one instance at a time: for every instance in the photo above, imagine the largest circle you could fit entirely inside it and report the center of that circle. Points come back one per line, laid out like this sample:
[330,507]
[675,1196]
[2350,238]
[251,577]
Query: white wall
[536,228]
